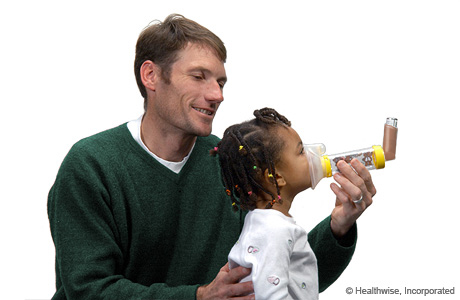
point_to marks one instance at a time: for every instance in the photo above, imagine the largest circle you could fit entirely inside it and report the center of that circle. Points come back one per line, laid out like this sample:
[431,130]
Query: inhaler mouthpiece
[318,163]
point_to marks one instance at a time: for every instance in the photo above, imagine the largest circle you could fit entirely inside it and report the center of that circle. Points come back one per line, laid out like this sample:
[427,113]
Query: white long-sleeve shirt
[277,250]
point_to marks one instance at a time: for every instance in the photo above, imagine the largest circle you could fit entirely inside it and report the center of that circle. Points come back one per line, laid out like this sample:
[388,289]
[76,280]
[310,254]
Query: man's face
[188,104]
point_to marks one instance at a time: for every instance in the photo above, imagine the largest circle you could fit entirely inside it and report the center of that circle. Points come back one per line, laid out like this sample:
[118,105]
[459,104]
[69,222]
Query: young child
[264,166]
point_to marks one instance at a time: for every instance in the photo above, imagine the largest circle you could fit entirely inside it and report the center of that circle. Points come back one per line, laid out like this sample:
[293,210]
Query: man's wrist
[345,235]
[339,230]
[199,292]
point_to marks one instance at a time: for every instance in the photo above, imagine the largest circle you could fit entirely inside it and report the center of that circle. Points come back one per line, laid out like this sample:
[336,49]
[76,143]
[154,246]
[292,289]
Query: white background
[336,69]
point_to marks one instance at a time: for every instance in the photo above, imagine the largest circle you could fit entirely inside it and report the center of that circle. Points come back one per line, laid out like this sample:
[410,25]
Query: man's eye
[302,151]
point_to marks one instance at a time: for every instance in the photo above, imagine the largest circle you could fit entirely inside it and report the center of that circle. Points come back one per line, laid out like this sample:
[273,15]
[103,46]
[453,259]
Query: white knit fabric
[277,250]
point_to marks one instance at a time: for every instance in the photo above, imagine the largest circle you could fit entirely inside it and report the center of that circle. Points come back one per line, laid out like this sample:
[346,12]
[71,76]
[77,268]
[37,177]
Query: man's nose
[215,92]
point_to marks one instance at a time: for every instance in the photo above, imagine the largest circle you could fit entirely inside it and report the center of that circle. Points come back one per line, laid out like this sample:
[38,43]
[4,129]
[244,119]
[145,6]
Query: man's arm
[355,186]
[333,255]
[334,239]
[90,259]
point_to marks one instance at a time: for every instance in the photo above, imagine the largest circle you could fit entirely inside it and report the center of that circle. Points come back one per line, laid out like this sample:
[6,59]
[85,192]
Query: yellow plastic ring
[326,164]
[378,157]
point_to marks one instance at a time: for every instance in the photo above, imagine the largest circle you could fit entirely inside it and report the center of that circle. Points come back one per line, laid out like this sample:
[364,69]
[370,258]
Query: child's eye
[302,151]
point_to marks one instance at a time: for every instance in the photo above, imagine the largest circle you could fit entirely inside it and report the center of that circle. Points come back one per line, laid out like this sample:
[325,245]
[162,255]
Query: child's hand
[353,195]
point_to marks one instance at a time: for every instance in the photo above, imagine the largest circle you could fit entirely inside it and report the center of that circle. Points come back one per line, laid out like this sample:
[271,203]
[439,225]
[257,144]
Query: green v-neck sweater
[126,227]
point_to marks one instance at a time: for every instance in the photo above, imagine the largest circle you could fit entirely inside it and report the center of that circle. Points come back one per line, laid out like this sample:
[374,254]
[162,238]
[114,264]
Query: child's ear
[270,178]
[280,179]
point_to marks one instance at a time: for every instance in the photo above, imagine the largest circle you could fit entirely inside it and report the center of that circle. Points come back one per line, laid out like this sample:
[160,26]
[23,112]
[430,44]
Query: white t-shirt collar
[134,127]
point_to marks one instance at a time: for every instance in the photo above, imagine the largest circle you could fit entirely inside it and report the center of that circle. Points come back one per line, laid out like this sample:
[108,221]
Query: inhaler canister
[390,134]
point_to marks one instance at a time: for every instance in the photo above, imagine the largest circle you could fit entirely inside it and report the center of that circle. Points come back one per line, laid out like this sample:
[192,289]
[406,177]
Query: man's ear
[150,73]
[270,178]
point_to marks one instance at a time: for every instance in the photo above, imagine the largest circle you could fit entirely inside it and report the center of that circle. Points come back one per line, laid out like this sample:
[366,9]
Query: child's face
[293,163]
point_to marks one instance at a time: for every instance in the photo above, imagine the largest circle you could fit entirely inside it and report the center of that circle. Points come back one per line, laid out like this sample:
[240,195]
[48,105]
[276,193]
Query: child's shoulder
[272,221]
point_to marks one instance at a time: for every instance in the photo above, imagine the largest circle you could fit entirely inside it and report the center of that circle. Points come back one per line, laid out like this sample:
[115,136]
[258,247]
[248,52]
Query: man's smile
[204,111]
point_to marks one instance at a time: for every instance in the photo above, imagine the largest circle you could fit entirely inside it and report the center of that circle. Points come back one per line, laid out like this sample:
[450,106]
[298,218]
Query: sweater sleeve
[333,255]
[89,258]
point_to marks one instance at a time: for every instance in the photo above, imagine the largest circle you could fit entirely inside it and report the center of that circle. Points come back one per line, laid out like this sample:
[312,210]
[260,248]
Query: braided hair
[245,152]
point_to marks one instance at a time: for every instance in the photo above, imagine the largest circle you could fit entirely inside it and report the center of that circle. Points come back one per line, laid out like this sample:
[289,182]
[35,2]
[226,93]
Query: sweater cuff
[196,290]
[349,239]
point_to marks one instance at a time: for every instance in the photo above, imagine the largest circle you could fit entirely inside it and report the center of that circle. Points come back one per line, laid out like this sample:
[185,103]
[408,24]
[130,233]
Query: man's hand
[226,285]
[353,187]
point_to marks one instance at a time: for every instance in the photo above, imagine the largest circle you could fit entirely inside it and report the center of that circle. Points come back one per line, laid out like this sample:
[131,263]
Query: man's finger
[242,289]
[363,172]
[353,191]
[236,274]
[353,177]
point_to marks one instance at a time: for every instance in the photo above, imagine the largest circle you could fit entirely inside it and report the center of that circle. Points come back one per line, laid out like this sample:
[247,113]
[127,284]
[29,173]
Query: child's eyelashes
[302,151]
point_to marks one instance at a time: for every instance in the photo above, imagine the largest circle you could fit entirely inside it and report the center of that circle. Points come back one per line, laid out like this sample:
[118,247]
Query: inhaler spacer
[322,165]
[374,157]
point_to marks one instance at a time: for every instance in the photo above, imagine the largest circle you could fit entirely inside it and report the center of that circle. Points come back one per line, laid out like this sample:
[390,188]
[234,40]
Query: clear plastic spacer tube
[372,158]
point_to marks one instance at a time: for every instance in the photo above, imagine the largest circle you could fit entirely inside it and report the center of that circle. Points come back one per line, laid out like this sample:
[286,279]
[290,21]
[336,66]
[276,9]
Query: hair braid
[271,116]
[245,152]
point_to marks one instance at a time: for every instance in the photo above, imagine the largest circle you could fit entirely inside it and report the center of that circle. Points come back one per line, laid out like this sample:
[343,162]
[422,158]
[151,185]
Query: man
[139,211]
